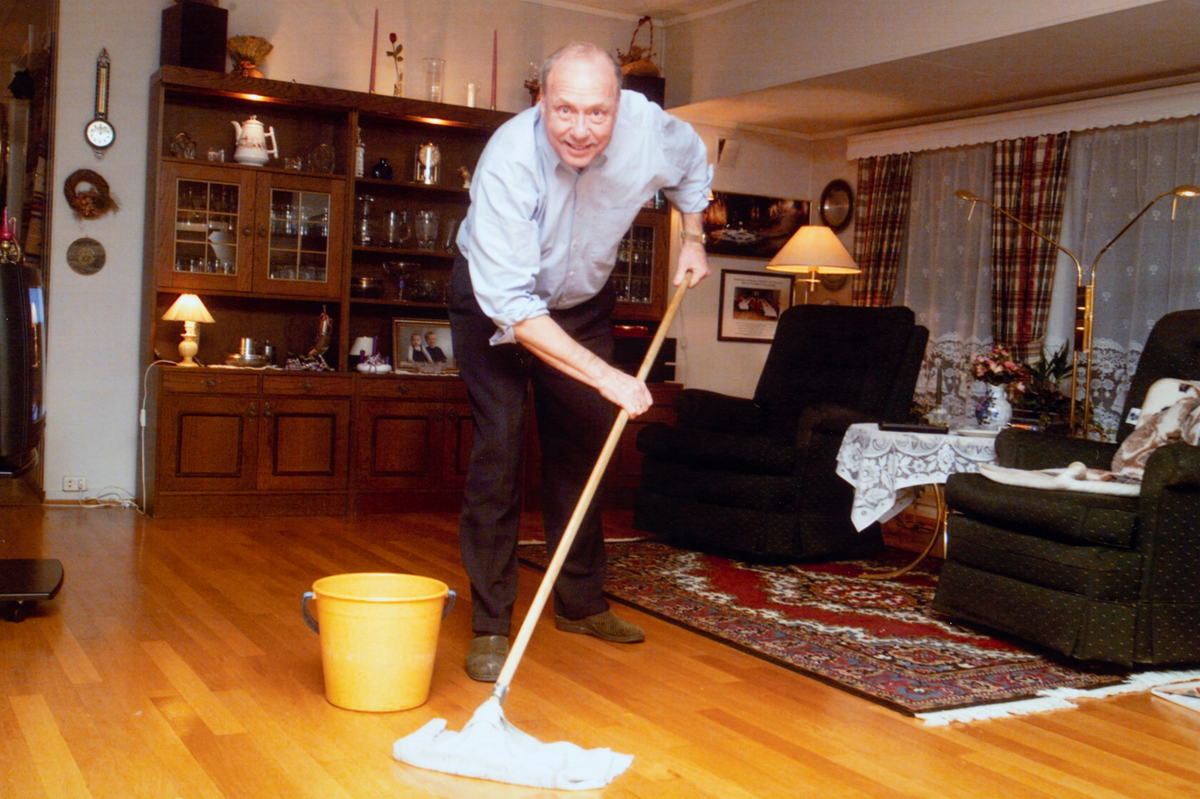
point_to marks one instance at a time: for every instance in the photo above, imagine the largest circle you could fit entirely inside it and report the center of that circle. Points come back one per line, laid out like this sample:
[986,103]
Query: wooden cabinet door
[456,450]
[304,444]
[207,443]
[399,445]
[298,236]
[204,236]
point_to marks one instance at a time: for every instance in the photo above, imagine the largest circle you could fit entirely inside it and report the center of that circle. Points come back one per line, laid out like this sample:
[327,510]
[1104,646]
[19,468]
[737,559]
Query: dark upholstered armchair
[1095,577]
[756,476]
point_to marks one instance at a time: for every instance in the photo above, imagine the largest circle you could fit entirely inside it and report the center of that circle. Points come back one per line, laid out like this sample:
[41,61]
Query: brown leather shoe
[485,657]
[607,626]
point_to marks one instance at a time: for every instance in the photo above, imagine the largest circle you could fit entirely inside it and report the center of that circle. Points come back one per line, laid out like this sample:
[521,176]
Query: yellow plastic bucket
[379,636]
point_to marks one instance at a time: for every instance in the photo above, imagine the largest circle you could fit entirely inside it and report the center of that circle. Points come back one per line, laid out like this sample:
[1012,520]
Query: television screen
[22,351]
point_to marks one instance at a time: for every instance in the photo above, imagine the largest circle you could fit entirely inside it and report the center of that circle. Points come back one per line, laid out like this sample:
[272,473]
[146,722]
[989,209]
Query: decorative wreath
[93,200]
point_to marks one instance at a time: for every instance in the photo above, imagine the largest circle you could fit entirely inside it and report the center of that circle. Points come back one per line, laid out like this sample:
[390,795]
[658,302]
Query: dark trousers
[573,422]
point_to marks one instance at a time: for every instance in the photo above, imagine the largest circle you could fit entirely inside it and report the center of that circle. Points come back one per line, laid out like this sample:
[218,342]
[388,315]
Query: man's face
[579,109]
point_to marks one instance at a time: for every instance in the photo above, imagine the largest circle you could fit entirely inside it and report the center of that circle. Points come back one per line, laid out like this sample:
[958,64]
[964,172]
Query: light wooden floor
[175,663]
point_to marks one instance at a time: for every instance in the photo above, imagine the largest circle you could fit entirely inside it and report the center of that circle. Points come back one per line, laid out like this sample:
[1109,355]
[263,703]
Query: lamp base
[188,348]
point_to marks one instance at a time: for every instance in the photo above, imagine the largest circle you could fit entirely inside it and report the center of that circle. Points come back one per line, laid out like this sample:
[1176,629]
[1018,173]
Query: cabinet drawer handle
[402,388]
[252,411]
[248,231]
[210,382]
[266,410]
[437,415]
[452,416]
[307,385]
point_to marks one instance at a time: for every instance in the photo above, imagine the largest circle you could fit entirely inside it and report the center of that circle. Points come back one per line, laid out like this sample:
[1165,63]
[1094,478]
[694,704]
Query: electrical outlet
[74,484]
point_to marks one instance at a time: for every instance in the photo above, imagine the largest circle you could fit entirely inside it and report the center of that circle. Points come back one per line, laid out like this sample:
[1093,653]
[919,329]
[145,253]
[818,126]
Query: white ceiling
[1145,47]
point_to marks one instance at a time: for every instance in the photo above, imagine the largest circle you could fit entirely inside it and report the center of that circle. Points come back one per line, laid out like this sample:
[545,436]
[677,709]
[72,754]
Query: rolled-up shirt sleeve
[685,150]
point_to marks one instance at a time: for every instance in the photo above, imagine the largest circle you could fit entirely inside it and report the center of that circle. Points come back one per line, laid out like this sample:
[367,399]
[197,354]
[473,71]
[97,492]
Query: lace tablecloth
[886,467]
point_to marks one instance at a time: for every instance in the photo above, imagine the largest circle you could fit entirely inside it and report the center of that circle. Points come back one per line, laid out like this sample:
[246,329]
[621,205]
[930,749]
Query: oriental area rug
[876,638]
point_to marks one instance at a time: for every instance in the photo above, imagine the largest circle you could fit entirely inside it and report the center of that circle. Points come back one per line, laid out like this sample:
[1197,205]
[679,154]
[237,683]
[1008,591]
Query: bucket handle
[451,597]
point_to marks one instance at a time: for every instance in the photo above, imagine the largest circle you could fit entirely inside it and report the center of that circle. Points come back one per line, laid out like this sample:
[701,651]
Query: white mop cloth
[491,748]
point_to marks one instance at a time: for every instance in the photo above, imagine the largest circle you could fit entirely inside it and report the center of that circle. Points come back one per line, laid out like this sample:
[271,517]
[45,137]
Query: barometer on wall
[837,205]
[100,133]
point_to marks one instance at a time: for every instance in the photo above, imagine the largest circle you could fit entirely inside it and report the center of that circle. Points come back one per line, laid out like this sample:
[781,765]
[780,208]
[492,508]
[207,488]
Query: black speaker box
[194,35]
[653,87]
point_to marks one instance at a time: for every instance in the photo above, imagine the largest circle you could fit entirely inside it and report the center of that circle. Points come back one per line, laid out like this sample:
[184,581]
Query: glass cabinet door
[203,242]
[639,276]
[632,277]
[300,237]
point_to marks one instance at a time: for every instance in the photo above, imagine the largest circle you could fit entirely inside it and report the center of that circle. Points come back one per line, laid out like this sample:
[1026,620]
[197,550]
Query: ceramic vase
[996,411]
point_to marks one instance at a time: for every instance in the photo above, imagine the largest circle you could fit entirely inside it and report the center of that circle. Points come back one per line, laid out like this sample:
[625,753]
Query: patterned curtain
[884,186]
[946,273]
[1152,269]
[1028,181]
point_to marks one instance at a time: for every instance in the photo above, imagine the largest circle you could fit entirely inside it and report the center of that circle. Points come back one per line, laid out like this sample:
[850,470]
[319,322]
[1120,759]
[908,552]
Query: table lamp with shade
[814,250]
[189,310]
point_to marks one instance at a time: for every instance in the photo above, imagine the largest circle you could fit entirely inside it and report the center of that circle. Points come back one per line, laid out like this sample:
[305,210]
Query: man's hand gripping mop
[491,748]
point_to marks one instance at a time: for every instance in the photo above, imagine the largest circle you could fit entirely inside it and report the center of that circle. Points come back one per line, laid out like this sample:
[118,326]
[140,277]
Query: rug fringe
[1056,699]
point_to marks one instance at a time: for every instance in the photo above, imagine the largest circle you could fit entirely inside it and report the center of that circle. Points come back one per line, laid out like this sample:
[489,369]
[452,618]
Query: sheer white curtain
[946,275]
[1153,269]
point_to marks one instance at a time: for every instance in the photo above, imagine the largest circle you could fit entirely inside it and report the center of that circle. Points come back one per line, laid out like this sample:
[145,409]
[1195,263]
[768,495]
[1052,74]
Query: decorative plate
[86,256]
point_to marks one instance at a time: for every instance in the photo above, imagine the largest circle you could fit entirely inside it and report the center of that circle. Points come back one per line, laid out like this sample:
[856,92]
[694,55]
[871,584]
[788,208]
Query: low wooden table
[25,581]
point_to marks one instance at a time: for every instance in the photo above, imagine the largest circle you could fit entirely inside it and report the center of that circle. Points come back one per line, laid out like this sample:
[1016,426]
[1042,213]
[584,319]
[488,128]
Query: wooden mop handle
[517,650]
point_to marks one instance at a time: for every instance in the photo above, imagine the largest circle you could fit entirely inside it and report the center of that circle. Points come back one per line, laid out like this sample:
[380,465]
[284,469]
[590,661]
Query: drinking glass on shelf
[427,229]
[434,68]
[397,230]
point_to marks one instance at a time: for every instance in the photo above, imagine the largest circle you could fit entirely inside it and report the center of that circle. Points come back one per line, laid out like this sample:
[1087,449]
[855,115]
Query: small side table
[25,581]
[886,467]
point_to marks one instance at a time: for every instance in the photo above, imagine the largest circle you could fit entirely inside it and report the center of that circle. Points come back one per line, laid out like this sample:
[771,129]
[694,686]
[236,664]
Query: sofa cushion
[1066,516]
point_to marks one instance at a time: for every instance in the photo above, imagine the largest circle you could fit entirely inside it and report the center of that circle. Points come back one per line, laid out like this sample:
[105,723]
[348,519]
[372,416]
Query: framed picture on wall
[751,303]
[750,226]
[422,346]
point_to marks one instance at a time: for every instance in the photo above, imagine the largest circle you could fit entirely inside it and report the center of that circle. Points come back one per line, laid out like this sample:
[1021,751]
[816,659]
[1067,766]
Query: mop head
[491,748]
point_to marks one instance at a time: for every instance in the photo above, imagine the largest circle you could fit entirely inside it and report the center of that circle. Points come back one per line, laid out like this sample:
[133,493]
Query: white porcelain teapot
[252,143]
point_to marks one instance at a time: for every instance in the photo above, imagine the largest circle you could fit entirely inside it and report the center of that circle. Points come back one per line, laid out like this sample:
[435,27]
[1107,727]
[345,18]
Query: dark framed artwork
[751,303]
[750,226]
[423,346]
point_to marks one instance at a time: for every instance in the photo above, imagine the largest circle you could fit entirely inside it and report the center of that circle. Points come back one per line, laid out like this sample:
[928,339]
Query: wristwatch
[699,238]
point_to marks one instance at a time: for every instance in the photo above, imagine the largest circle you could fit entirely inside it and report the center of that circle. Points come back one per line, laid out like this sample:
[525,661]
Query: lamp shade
[188,308]
[814,248]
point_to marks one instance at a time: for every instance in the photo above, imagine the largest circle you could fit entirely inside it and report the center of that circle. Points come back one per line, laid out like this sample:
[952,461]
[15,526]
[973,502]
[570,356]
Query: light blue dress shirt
[541,235]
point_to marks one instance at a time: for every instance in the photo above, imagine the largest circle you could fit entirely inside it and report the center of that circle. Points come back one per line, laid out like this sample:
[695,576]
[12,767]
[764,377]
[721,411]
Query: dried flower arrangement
[637,60]
[248,53]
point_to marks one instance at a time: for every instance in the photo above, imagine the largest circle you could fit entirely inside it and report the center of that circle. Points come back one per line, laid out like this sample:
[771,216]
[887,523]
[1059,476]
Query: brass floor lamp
[1085,293]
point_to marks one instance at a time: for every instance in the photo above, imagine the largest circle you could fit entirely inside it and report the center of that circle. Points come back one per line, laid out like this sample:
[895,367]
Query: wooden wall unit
[269,250]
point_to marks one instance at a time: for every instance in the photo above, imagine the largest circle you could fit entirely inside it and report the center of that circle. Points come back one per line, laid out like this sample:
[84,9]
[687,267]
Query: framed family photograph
[422,346]
[750,226]
[751,303]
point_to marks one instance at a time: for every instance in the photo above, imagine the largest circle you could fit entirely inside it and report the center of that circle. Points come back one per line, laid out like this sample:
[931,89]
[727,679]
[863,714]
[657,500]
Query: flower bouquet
[997,368]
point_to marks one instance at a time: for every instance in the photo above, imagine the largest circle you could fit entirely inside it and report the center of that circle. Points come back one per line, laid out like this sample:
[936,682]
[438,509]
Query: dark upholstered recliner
[756,477]
[1095,577]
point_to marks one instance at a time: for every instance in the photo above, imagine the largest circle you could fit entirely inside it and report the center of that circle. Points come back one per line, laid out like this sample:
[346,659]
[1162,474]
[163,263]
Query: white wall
[94,380]
[773,166]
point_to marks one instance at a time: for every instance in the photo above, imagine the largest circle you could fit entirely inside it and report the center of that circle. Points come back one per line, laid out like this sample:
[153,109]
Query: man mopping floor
[555,190]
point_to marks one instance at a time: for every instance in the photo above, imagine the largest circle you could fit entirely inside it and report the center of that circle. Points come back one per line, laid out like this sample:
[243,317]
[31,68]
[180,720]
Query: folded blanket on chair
[1076,477]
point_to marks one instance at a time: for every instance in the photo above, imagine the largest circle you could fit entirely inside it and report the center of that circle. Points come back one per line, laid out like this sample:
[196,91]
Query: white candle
[470,95]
